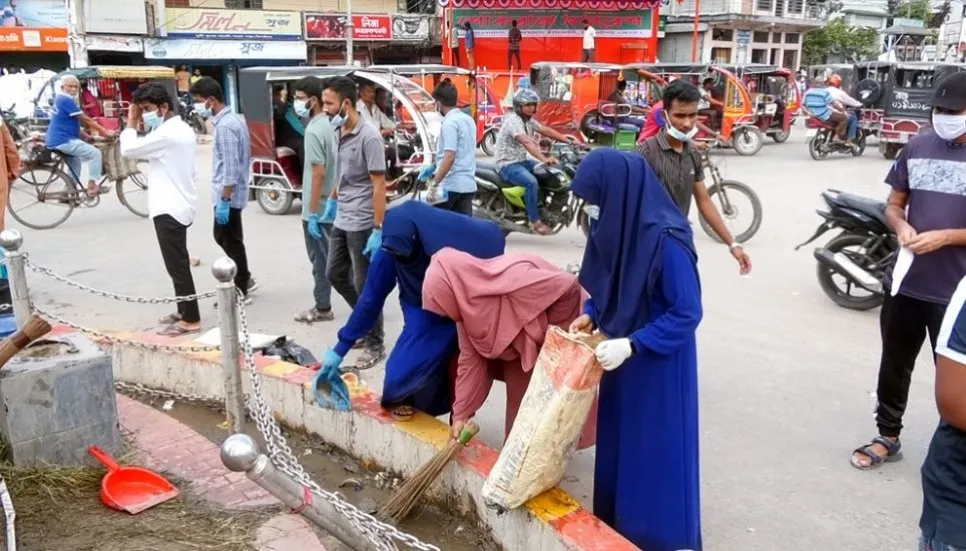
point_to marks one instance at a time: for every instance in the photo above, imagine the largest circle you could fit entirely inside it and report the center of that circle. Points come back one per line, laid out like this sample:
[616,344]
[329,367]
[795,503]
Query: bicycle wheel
[39,190]
[732,199]
[132,192]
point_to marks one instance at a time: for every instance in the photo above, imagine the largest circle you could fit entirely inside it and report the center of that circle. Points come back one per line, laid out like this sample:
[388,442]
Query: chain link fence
[380,535]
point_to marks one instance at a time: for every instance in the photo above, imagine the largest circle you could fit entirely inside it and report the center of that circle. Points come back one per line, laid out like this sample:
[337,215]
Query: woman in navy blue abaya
[640,269]
[417,372]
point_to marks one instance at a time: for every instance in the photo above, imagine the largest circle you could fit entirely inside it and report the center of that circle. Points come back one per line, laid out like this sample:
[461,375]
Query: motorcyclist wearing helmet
[844,100]
[819,103]
[515,140]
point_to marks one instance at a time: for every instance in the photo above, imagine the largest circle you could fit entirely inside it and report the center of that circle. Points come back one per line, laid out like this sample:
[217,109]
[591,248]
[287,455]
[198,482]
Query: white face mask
[949,127]
[681,136]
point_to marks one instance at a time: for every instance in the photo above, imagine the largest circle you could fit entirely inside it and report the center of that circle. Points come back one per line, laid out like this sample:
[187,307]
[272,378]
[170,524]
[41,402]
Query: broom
[402,501]
[35,328]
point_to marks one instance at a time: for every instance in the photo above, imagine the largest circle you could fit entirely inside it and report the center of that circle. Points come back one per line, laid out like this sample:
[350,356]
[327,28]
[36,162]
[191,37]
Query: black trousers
[347,272]
[173,241]
[231,239]
[509,59]
[458,202]
[904,323]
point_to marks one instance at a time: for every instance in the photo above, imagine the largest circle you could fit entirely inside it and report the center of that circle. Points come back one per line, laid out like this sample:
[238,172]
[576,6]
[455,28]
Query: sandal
[314,315]
[170,319]
[892,453]
[402,413]
[370,357]
[178,330]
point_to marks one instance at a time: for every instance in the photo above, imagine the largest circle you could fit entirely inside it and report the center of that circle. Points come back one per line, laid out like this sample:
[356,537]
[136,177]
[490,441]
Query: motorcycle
[18,126]
[190,116]
[859,255]
[503,203]
[822,141]
[488,141]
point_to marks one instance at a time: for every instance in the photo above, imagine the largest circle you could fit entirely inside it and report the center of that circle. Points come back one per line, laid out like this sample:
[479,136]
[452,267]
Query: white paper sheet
[213,338]
[903,263]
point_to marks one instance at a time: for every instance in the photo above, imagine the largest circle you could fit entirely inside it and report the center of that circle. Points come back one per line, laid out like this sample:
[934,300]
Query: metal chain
[380,534]
[115,296]
[114,340]
[139,389]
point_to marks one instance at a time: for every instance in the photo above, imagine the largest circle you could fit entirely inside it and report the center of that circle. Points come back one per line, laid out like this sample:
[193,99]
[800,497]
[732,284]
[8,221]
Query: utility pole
[349,57]
[76,33]
[695,37]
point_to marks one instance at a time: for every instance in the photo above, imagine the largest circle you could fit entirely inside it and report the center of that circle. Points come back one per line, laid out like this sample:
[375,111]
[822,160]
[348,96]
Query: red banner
[331,26]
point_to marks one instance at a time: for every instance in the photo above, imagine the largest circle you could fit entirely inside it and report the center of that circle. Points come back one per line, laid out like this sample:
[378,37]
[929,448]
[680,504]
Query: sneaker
[252,286]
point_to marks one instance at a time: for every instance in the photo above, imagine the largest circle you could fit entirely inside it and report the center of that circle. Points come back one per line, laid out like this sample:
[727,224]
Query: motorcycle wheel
[860,141]
[814,147]
[488,143]
[583,221]
[748,141]
[730,210]
[832,289]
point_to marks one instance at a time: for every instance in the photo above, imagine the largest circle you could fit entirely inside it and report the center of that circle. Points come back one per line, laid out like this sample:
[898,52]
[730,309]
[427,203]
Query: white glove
[611,354]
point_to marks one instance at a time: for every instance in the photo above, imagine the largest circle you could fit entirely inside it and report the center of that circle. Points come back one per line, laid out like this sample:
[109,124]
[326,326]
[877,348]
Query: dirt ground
[59,509]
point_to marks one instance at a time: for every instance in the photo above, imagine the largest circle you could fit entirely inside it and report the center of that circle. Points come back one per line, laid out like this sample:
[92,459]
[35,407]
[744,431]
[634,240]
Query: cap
[951,92]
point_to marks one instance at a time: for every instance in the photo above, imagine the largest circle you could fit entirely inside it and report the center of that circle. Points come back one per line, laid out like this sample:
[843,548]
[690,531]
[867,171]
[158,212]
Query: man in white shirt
[371,114]
[169,148]
[841,99]
[590,37]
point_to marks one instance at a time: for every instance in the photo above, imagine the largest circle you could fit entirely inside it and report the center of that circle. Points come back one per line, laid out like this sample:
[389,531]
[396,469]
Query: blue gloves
[314,226]
[222,210]
[426,173]
[331,209]
[374,243]
[331,392]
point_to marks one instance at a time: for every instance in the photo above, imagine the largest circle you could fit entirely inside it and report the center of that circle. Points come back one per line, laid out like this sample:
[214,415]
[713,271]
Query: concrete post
[224,270]
[11,241]
[240,454]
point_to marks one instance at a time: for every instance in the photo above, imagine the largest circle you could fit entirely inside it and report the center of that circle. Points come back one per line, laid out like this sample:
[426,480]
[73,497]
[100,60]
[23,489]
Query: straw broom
[402,501]
[35,328]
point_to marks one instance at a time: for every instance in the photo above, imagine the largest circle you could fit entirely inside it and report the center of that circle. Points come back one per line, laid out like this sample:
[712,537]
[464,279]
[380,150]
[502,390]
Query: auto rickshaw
[869,81]
[617,123]
[276,178]
[738,120]
[775,94]
[908,102]
[568,91]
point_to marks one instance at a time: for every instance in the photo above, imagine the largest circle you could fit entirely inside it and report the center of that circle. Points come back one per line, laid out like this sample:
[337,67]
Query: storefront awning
[225,50]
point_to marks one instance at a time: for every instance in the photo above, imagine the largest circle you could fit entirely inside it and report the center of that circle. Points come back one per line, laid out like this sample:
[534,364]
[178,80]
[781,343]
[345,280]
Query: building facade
[33,34]
[952,34]
[740,31]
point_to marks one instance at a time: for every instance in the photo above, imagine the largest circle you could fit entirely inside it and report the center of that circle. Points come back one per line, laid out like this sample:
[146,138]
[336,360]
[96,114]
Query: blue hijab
[414,231]
[625,248]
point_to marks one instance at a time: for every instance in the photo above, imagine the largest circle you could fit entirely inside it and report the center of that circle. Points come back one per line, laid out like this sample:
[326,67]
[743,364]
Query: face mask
[151,119]
[203,110]
[681,136]
[949,127]
[301,107]
[339,118]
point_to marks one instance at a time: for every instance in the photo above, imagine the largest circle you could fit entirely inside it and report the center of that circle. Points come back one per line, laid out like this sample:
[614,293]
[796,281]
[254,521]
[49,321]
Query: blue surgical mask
[338,120]
[301,108]
[151,119]
[203,110]
[681,136]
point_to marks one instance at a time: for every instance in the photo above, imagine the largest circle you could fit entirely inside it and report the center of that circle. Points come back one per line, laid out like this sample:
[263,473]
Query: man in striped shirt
[229,175]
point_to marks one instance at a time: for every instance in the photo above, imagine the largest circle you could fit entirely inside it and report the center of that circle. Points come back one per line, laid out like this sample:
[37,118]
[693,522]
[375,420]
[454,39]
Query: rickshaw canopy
[119,72]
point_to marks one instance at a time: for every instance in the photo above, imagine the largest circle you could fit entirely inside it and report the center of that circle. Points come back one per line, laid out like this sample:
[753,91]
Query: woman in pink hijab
[502,308]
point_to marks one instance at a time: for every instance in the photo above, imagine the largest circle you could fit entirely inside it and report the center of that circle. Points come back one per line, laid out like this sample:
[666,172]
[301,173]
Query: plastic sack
[288,351]
[331,390]
[549,423]
[116,166]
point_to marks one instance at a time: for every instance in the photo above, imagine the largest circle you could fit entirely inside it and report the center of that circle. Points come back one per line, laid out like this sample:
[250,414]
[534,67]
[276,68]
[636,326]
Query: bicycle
[720,188]
[49,180]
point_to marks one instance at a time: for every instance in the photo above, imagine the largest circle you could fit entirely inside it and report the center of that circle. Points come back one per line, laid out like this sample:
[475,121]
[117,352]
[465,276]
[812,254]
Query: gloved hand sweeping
[612,353]
[222,210]
[331,209]
[314,225]
[374,243]
[331,392]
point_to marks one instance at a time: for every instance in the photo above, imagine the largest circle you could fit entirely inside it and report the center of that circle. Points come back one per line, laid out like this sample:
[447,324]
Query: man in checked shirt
[229,185]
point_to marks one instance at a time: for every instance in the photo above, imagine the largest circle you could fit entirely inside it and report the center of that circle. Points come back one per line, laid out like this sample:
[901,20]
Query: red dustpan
[131,489]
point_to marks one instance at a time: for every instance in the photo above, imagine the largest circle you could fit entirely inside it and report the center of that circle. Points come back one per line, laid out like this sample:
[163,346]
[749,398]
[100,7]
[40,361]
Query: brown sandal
[402,413]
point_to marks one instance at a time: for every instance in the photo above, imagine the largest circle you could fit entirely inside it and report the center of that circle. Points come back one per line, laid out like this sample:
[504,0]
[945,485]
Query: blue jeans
[521,174]
[78,151]
[926,544]
[853,126]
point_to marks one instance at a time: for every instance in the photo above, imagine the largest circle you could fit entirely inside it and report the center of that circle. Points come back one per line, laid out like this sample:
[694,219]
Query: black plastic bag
[290,352]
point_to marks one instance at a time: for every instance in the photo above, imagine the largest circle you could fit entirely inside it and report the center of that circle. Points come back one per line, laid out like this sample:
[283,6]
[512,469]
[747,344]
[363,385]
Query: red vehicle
[776,98]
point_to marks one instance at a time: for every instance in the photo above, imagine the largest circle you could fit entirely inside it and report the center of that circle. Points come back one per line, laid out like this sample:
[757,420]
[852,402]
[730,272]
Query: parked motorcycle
[852,266]
[503,203]
[190,116]
[822,141]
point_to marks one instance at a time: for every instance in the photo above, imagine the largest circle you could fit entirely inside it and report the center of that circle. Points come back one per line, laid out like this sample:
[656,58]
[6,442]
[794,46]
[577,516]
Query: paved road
[786,376]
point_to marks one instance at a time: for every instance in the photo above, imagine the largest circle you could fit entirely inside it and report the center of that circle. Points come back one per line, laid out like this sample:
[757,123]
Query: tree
[837,37]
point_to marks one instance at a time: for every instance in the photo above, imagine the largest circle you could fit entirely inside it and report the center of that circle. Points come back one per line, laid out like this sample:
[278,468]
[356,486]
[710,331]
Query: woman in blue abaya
[640,268]
[417,372]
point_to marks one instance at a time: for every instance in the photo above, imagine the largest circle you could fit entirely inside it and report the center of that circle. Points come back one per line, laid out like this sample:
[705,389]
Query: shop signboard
[33,13]
[410,27]
[33,39]
[331,26]
[196,49]
[562,23]
[232,24]
[115,17]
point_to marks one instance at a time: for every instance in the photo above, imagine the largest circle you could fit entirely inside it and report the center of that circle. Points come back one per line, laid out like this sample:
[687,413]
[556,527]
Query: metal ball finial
[239,453]
[11,240]
[224,269]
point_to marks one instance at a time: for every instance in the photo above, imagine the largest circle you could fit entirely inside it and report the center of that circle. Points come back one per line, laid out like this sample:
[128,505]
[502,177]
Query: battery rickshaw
[908,102]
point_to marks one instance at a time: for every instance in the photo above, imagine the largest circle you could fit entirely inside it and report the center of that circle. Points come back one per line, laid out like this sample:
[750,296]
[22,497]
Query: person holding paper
[928,178]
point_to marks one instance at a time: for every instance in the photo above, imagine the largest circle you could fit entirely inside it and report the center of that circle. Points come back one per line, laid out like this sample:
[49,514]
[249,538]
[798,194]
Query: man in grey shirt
[361,203]
[318,180]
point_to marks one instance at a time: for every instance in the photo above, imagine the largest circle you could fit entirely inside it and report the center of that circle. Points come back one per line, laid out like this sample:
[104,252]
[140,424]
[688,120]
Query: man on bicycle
[65,136]
[515,140]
